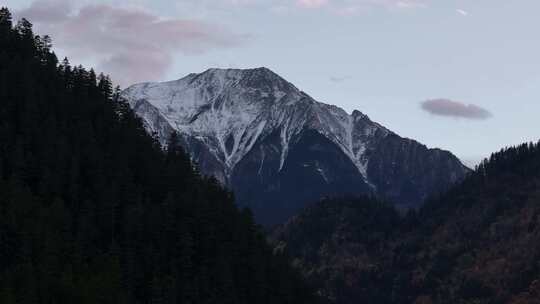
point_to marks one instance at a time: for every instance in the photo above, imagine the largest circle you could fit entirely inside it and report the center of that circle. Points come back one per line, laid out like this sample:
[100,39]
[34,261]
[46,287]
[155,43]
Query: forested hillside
[478,243]
[92,210]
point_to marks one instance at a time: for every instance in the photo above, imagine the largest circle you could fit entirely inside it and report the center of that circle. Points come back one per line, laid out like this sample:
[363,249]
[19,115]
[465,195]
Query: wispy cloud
[450,108]
[131,44]
[134,44]
[312,3]
[361,5]
[335,6]
[355,7]
[462,12]
[408,3]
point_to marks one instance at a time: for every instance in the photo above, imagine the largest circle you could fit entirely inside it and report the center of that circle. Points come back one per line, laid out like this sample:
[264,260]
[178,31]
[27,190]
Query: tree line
[478,243]
[94,210]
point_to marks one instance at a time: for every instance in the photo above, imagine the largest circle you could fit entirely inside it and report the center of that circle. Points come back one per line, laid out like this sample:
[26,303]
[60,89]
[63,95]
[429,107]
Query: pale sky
[462,75]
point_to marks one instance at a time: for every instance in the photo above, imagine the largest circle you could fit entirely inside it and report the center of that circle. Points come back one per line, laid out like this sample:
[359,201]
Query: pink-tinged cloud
[450,108]
[395,4]
[52,11]
[462,12]
[312,3]
[355,7]
[132,45]
[410,4]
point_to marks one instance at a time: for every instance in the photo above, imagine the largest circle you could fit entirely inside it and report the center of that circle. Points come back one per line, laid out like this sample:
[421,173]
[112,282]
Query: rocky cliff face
[279,149]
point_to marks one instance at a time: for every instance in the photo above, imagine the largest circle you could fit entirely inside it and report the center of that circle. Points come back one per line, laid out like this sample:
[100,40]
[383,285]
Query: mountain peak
[257,78]
[259,70]
[252,129]
[240,73]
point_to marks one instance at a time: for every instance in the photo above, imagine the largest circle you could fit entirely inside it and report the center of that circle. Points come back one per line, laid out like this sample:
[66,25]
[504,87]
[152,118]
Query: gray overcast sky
[462,75]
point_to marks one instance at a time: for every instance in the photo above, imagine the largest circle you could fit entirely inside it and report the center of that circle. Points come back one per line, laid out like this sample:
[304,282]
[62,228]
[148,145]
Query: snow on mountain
[279,149]
[230,110]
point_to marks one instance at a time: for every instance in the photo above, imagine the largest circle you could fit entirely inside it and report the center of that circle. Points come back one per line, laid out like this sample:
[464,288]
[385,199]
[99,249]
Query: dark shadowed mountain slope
[93,211]
[279,149]
[478,243]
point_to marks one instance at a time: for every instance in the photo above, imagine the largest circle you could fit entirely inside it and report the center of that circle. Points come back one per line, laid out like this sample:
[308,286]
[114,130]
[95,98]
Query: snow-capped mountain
[279,149]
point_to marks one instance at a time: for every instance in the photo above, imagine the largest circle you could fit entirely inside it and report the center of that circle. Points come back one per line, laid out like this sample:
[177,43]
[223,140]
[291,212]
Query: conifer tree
[94,210]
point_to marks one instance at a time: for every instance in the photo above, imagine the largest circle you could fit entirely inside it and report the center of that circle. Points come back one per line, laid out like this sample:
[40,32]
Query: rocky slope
[279,149]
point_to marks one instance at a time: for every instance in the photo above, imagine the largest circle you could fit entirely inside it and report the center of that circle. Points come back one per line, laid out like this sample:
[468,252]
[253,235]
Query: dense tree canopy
[478,243]
[92,210]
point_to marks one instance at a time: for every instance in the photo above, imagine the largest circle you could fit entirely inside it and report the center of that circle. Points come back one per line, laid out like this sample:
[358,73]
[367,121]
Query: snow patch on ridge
[246,106]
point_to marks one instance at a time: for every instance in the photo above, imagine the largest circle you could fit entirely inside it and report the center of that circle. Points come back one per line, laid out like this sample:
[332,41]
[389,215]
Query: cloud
[399,4]
[50,12]
[356,7]
[463,13]
[312,3]
[341,7]
[131,44]
[450,108]
[409,4]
